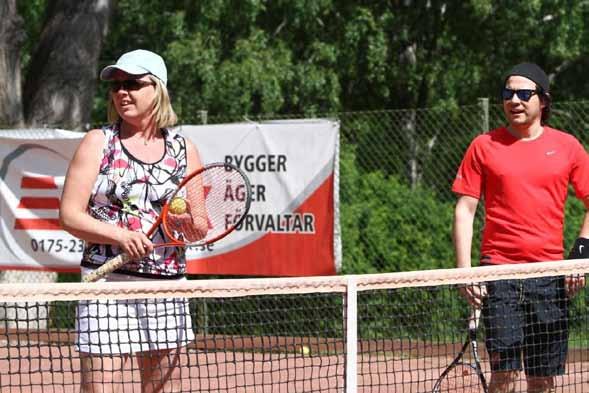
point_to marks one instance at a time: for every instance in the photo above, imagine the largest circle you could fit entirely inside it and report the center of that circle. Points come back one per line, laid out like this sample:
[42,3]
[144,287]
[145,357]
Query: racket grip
[473,320]
[109,266]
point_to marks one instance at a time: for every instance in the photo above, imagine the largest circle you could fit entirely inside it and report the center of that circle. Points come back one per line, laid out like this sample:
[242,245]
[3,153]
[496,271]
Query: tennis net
[394,332]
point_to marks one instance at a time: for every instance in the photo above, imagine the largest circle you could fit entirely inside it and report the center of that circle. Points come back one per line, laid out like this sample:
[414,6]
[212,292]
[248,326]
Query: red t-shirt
[524,185]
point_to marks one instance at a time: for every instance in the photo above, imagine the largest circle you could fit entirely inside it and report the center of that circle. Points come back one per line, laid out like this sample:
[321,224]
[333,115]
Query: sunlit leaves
[305,56]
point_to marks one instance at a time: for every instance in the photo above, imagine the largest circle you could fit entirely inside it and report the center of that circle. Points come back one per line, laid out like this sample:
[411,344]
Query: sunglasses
[522,94]
[129,85]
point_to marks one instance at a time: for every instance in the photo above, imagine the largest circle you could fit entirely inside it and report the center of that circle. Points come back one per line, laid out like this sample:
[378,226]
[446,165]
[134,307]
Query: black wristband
[580,249]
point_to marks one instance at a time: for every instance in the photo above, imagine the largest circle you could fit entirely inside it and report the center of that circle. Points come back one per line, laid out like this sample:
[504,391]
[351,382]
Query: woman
[116,184]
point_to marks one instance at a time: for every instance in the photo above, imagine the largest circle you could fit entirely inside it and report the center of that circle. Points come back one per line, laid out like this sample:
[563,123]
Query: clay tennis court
[405,336]
[36,362]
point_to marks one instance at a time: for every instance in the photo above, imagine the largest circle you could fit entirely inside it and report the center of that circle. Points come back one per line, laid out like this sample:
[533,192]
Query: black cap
[531,71]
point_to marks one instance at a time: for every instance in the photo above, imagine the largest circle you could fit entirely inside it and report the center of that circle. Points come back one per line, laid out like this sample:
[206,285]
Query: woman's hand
[192,228]
[135,244]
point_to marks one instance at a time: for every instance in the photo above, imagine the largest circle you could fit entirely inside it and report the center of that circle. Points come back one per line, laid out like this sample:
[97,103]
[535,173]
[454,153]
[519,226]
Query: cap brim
[107,73]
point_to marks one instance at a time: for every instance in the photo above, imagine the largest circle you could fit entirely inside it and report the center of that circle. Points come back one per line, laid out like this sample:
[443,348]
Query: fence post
[203,116]
[484,104]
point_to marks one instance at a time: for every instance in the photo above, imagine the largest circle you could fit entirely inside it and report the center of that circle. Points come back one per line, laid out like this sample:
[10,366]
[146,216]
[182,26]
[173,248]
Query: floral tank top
[130,193]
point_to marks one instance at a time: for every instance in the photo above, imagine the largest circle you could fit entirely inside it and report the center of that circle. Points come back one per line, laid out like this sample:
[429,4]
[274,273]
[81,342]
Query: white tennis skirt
[130,326]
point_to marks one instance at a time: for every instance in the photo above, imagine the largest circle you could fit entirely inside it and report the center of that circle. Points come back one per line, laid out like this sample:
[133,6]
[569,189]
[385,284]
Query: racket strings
[215,200]
[461,378]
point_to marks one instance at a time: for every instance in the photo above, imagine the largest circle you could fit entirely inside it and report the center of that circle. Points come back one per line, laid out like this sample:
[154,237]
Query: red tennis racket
[207,205]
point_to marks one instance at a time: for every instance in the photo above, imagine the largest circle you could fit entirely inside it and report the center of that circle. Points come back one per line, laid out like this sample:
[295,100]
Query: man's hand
[473,293]
[574,283]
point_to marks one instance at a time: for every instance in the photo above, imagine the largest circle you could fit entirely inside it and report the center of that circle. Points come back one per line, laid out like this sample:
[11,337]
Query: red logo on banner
[36,202]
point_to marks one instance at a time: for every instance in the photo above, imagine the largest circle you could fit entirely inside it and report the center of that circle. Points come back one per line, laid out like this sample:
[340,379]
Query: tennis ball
[177,206]
[305,350]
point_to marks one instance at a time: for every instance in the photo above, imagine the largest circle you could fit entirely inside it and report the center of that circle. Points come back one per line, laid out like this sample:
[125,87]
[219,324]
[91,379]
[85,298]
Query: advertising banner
[292,228]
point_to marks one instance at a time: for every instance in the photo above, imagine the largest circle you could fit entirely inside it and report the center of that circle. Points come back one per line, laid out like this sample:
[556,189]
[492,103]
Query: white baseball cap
[138,62]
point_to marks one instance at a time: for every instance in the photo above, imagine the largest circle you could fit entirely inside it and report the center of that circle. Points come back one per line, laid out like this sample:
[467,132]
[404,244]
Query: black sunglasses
[522,94]
[129,85]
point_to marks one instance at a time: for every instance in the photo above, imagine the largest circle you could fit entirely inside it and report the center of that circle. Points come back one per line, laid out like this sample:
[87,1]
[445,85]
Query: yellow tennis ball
[177,206]
[305,350]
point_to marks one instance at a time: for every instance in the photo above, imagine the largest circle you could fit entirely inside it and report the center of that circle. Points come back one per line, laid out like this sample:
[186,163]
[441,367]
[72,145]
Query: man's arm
[464,214]
[463,229]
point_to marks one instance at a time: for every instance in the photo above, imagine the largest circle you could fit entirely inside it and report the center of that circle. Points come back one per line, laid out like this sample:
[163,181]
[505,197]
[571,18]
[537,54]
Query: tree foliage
[235,57]
[382,232]
[281,57]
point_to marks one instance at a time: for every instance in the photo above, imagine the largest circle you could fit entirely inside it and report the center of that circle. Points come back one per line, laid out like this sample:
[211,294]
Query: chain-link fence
[397,168]
[396,172]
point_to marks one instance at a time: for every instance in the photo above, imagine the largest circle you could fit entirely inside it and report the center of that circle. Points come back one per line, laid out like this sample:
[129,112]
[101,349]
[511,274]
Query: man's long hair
[546,99]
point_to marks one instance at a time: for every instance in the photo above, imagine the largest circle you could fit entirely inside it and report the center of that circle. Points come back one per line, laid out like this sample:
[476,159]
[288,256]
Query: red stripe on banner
[280,254]
[44,268]
[49,224]
[38,182]
[38,203]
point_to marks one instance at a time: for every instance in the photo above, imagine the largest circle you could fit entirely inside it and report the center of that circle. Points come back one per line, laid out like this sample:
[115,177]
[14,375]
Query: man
[522,171]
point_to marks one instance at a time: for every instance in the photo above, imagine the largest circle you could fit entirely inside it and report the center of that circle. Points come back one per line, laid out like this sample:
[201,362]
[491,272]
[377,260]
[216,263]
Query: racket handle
[109,266]
[473,320]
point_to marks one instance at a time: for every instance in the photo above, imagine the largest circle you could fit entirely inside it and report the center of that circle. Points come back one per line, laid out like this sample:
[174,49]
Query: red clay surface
[52,365]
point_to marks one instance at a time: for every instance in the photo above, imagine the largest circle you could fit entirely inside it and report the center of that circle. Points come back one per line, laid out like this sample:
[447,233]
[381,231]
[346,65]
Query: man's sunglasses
[129,85]
[522,94]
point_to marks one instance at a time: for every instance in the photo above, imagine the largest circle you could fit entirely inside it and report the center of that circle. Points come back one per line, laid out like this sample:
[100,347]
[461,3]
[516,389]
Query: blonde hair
[163,113]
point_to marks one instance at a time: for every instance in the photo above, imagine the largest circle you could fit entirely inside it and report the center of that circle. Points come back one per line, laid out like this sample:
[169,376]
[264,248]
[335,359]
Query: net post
[203,114]
[351,318]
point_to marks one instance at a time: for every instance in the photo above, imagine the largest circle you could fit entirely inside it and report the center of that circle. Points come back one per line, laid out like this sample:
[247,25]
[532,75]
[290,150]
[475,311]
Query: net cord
[287,285]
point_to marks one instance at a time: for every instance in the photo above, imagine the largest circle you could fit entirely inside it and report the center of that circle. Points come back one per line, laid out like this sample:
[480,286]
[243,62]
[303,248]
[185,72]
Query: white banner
[292,228]
[32,172]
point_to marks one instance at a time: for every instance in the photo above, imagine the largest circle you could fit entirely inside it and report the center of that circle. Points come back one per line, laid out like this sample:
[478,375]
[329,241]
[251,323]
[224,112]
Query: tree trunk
[12,36]
[61,80]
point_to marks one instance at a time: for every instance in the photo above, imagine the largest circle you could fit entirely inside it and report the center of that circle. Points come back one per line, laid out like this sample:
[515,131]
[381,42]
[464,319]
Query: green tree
[235,57]
[380,229]
[58,44]
[282,57]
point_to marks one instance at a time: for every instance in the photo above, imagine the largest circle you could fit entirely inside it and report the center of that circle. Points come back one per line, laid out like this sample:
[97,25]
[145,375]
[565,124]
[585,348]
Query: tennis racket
[462,376]
[207,205]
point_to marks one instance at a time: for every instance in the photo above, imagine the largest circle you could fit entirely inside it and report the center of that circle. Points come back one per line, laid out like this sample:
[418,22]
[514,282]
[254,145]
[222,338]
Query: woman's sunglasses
[522,94]
[129,85]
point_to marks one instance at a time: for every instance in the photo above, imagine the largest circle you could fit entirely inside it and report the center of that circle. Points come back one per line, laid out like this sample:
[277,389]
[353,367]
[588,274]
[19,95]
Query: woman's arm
[73,213]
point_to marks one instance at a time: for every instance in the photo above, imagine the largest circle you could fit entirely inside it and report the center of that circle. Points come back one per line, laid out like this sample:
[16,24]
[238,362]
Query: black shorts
[527,318]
